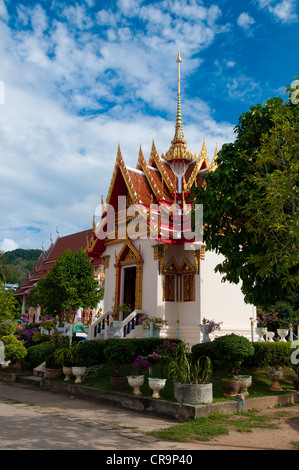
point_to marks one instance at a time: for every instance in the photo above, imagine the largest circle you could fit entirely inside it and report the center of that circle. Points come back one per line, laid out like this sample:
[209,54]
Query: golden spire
[179,149]
[179,125]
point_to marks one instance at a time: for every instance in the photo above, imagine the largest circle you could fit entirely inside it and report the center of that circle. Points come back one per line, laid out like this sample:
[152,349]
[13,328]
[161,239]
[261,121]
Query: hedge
[94,351]
[265,354]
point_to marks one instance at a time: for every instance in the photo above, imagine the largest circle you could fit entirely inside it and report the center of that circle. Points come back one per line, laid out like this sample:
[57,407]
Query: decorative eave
[142,165]
[156,160]
[120,166]
[203,157]
[214,165]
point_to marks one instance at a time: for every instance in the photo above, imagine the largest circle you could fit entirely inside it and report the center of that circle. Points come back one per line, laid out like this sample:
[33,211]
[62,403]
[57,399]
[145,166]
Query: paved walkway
[31,419]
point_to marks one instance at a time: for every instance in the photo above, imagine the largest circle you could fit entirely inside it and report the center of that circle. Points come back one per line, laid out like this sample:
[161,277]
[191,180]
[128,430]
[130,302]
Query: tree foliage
[69,286]
[8,304]
[251,205]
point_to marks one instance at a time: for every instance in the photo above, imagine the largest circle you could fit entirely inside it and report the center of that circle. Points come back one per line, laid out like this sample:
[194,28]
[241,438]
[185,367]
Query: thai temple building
[153,261]
[45,263]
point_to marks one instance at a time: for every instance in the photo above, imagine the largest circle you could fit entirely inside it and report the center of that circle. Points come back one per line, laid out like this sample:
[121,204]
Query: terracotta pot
[53,373]
[118,383]
[230,387]
[15,367]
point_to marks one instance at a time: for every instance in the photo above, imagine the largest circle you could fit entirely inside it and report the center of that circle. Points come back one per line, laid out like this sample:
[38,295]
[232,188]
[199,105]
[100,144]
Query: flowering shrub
[48,323]
[212,326]
[162,354]
[264,318]
[28,335]
[140,364]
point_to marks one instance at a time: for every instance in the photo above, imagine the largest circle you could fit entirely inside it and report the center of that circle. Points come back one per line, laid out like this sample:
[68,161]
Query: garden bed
[260,383]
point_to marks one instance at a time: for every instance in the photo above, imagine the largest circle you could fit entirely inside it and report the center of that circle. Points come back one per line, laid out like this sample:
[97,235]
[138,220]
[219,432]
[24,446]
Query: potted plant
[192,380]
[65,356]
[136,380]
[115,355]
[78,364]
[282,329]
[53,367]
[263,319]
[231,351]
[14,351]
[208,327]
[153,326]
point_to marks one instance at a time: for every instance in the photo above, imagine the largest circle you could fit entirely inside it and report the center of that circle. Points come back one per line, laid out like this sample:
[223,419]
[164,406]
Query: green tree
[251,203]
[3,267]
[8,304]
[69,286]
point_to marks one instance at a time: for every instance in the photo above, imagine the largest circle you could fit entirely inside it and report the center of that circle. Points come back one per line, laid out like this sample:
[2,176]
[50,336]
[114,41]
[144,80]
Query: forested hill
[19,263]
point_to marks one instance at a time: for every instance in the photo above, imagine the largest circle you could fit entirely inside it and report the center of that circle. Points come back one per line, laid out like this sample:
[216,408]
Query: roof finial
[179,126]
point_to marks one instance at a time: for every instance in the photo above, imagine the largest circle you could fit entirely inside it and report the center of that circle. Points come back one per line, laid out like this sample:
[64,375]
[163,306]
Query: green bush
[94,351]
[269,354]
[7,327]
[14,348]
[231,351]
[37,354]
[265,354]
[204,349]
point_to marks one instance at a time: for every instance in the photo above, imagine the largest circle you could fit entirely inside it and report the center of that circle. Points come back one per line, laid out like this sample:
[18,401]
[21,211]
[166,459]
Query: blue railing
[131,325]
[101,326]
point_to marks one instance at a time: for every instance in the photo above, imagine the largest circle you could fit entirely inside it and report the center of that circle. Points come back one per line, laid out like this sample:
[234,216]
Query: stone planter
[78,372]
[156,385]
[283,333]
[245,383]
[230,387]
[193,393]
[67,372]
[275,375]
[155,334]
[260,331]
[205,335]
[136,381]
[117,325]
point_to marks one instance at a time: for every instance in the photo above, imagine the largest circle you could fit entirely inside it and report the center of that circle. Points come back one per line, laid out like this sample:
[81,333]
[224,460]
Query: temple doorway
[129,288]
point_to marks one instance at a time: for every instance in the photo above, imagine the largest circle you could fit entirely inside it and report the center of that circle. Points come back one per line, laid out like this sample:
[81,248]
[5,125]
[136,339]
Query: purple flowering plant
[212,326]
[162,354]
[140,364]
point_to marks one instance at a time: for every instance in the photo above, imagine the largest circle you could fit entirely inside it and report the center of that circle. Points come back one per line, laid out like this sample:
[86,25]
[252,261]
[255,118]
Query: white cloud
[75,86]
[284,10]
[245,21]
[8,245]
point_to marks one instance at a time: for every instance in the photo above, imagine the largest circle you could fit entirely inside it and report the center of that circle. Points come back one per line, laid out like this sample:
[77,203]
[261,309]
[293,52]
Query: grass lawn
[207,427]
[260,383]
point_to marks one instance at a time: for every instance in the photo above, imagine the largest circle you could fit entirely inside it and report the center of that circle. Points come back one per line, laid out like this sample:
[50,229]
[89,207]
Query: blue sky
[81,77]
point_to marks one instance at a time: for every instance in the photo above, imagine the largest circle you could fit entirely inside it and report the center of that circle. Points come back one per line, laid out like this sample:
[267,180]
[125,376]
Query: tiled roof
[45,263]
